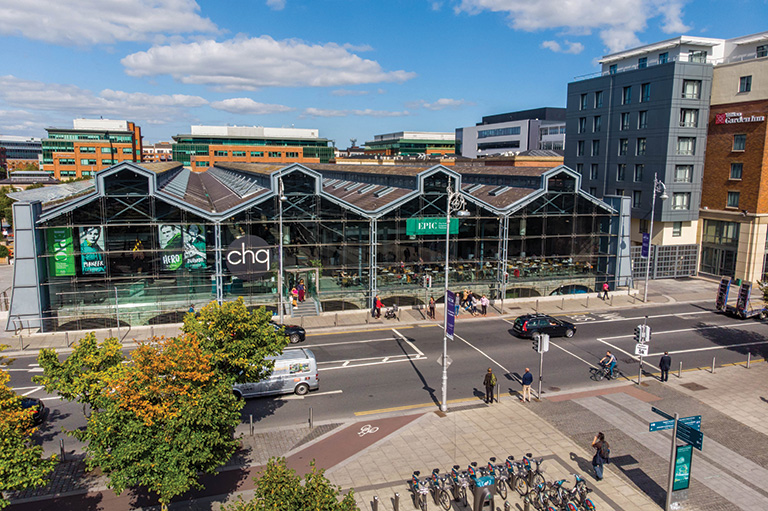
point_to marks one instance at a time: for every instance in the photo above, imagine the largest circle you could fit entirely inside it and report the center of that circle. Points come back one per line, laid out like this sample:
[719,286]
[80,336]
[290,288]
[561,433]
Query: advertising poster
[194,247]
[172,246]
[91,250]
[683,455]
[60,246]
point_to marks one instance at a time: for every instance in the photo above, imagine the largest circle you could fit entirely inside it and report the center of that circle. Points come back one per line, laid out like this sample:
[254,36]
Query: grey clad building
[143,242]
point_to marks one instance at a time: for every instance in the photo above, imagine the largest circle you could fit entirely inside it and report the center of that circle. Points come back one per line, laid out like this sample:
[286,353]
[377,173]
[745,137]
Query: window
[620,192]
[642,62]
[612,69]
[639,168]
[621,171]
[580,148]
[582,124]
[220,153]
[106,150]
[745,83]
[623,146]
[66,161]
[626,95]
[681,200]
[642,119]
[108,162]
[580,168]
[257,154]
[275,154]
[698,56]
[593,191]
[645,92]
[677,229]
[583,102]
[643,226]
[595,148]
[84,149]
[597,123]
[201,163]
[762,50]
[240,154]
[683,173]
[637,199]
[290,154]
[624,123]
[127,150]
[663,58]
[689,118]
[500,132]
[736,170]
[733,200]
[599,99]
[593,170]
[86,161]
[692,89]
[641,146]
[739,142]
[686,146]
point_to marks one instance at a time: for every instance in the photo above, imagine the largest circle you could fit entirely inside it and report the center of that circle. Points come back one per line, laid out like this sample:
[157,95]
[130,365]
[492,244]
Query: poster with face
[91,251]
[194,247]
[171,244]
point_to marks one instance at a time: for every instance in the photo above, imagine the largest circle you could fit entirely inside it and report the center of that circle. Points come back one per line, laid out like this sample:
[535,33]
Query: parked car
[532,325]
[295,333]
[36,405]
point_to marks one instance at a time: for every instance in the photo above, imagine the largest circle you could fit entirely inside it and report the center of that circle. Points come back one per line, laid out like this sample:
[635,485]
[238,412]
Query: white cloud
[72,101]
[247,106]
[100,21]
[324,112]
[574,48]
[440,104]
[618,22]
[250,63]
[348,92]
[276,5]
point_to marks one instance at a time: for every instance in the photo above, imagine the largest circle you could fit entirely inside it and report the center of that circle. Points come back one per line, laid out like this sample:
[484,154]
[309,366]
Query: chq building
[144,242]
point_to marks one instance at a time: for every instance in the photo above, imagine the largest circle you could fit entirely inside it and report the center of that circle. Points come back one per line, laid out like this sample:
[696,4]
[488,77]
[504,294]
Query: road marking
[413,407]
[51,398]
[696,329]
[480,351]
[25,388]
[294,397]
[32,391]
[348,365]
[638,318]
[708,348]
[356,331]
[631,355]
[572,354]
[417,350]
[367,429]
[350,342]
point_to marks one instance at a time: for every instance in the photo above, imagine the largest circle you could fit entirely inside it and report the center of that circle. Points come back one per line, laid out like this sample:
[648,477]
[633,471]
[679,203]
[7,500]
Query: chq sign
[248,257]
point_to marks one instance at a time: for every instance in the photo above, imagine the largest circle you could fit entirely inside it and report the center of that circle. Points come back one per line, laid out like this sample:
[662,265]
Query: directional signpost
[686,429]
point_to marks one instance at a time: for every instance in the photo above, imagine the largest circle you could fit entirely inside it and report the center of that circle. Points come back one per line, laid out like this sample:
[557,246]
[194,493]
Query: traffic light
[647,333]
[535,344]
[639,333]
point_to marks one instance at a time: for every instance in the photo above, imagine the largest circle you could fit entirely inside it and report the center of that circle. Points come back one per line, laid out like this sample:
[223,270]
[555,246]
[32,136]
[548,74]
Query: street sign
[450,313]
[683,459]
[662,413]
[694,421]
[641,350]
[646,245]
[689,435]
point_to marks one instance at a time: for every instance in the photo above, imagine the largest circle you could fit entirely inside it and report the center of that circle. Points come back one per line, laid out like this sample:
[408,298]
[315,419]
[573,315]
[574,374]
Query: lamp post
[280,199]
[455,202]
[660,189]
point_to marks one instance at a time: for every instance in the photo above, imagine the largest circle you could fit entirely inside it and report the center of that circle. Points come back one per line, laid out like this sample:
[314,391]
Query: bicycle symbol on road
[367,429]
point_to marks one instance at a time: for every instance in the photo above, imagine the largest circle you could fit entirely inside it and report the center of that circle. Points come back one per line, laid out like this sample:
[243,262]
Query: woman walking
[432,307]
[484,305]
[602,452]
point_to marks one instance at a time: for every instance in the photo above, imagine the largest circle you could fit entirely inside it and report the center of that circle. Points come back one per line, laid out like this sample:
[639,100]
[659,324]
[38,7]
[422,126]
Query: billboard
[248,257]
[91,250]
[172,246]
[60,246]
[417,226]
[194,247]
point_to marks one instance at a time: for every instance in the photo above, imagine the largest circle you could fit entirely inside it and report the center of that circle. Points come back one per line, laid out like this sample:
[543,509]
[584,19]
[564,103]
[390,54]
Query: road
[368,372]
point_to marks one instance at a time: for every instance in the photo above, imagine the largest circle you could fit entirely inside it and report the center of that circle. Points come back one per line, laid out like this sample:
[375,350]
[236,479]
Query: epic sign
[737,117]
[248,257]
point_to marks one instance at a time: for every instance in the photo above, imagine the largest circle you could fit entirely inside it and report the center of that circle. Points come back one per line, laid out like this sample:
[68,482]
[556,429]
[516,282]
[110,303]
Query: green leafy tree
[279,488]
[239,339]
[21,461]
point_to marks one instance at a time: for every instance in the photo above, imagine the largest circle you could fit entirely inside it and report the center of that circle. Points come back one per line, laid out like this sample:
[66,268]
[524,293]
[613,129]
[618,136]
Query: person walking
[664,364]
[301,289]
[432,307]
[602,452]
[490,382]
[606,288]
[484,305]
[377,305]
[527,381]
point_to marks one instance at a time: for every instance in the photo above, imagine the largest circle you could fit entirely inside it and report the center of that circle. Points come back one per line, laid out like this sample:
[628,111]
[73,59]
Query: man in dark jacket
[527,381]
[490,382]
[664,364]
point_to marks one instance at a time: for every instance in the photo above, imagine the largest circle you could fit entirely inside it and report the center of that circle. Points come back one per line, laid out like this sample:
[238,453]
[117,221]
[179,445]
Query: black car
[295,333]
[531,325]
[38,408]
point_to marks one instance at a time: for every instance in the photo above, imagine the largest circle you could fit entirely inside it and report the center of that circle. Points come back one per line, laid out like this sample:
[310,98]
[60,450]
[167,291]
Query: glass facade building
[144,242]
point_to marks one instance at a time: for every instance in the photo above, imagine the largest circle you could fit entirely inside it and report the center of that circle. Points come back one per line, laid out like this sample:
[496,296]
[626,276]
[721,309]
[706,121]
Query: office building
[157,153]
[91,145]
[207,146]
[411,143]
[526,130]
[20,152]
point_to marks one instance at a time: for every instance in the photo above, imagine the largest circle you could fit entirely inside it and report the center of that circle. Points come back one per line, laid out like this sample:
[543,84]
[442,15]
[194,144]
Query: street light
[660,189]
[455,203]
[281,197]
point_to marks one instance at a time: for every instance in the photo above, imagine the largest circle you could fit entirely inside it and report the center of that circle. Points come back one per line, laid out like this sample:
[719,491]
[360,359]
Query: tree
[21,462]
[279,488]
[239,339]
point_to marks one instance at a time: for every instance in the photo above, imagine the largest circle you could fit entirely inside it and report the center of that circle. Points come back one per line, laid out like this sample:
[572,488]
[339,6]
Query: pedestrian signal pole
[541,344]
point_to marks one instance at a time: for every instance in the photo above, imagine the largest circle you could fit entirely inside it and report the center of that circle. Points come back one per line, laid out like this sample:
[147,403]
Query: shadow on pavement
[69,475]
[260,408]
[426,386]
[642,480]
[47,430]
[725,337]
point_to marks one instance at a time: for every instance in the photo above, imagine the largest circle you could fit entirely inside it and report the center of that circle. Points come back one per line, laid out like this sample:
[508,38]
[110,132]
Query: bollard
[311,419]
[680,370]
[537,306]
[562,304]
[336,320]
[375,503]
[527,504]
[749,356]
[110,333]
[498,392]
[587,305]
[251,419]
[66,338]
[302,321]
[611,300]
[152,331]
[396,502]
[21,342]
[713,365]
[507,506]
[61,447]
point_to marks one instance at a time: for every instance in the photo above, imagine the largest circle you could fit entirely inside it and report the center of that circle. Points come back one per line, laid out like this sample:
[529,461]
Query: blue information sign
[683,456]
[450,313]
[693,421]
[646,244]
[690,436]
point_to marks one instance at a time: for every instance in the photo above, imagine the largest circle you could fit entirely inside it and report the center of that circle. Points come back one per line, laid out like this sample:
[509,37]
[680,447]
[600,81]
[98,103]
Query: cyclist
[609,360]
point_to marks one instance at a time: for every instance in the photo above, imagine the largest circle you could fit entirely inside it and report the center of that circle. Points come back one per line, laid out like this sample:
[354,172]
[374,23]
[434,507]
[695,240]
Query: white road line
[409,359]
[311,394]
[696,329]
[25,388]
[637,318]
[50,398]
[572,354]
[480,351]
[32,391]
[363,359]
[708,348]
[349,342]
[417,350]
[631,355]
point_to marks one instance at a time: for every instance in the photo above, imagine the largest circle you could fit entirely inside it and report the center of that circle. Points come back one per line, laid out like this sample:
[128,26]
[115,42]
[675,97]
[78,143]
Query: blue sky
[351,69]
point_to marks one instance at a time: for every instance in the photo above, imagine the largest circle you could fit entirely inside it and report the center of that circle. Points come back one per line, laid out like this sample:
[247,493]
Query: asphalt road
[372,371]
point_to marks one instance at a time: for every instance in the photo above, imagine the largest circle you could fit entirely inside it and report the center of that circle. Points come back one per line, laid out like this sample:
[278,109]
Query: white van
[295,372]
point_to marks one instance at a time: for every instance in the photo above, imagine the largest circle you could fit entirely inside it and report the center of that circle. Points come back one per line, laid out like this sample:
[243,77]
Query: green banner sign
[682,467]
[432,225]
[62,264]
